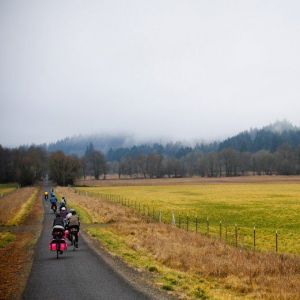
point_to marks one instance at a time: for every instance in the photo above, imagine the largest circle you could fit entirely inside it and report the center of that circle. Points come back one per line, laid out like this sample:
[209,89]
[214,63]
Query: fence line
[170,217]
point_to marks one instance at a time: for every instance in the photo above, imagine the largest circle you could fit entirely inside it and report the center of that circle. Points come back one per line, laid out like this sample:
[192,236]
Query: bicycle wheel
[73,241]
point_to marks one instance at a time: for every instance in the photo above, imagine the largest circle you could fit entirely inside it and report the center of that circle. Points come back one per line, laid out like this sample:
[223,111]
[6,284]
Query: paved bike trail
[76,275]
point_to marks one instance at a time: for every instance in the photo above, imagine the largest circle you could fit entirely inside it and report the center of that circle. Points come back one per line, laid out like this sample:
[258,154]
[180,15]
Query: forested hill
[116,147]
[78,144]
[176,150]
[268,138]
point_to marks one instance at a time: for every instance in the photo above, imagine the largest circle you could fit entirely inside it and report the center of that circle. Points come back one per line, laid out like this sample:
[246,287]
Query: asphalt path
[80,274]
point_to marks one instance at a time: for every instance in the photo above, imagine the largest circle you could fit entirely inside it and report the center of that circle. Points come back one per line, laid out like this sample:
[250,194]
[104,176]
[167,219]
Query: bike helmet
[63,208]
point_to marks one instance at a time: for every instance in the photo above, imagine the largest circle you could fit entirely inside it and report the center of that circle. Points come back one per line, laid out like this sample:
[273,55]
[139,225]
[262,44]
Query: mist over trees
[275,149]
[256,152]
[77,144]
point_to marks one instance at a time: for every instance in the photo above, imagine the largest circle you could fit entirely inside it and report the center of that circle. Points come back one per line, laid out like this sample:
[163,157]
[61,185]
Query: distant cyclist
[63,200]
[53,202]
[62,205]
[46,196]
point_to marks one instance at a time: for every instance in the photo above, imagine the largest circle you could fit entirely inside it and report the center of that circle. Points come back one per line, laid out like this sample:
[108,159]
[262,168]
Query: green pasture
[269,207]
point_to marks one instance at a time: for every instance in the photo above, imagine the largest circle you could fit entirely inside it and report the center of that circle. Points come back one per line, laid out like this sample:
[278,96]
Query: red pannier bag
[58,245]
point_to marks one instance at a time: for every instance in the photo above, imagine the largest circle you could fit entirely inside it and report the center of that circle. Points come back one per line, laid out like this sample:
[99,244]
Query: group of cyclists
[66,221]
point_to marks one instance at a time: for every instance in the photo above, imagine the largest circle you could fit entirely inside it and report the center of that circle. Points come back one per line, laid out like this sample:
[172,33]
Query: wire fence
[234,235]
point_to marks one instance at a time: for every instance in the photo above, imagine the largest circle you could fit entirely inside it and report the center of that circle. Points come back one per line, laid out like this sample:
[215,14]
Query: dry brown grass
[12,203]
[16,257]
[257,275]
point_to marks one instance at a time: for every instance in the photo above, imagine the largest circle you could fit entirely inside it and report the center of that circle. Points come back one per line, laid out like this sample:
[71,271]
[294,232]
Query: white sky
[161,68]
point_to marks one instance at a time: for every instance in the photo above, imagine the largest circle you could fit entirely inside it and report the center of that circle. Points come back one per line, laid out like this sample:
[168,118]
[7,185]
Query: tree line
[226,162]
[28,165]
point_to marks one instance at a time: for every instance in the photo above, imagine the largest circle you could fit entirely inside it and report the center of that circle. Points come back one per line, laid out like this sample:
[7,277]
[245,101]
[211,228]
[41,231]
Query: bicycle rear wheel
[73,241]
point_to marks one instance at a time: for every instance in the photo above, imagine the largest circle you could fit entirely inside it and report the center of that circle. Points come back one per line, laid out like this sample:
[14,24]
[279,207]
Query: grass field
[189,265]
[7,188]
[268,207]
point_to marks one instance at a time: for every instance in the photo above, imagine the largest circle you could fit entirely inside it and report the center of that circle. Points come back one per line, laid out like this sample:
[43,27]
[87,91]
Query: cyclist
[69,214]
[63,200]
[73,225]
[62,204]
[46,196]
[58,221]
[53,202]
[58,229]
[63,212]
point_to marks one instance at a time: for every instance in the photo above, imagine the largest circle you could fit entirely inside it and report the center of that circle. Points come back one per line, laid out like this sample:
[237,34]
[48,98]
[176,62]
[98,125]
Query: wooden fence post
[236,235]
[276,239]
[207,226]
[254,238]
[173,221]
[187,223]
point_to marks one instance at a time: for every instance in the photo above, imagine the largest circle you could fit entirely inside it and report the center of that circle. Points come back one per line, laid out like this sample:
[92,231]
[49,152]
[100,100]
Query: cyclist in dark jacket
[58,220]
[58,229]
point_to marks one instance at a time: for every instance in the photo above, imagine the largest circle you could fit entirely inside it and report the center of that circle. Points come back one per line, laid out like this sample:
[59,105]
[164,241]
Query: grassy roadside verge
[17,247]
[175,282]
[6,238]
[24,211]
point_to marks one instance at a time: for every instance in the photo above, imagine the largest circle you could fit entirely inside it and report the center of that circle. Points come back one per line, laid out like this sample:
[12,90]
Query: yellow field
[268,207]
[188,265]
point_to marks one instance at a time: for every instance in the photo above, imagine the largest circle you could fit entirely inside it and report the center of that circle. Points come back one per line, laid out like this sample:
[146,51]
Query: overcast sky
[161,68]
